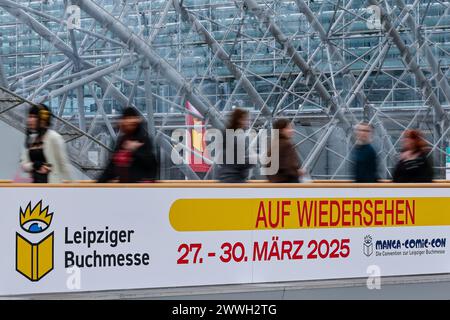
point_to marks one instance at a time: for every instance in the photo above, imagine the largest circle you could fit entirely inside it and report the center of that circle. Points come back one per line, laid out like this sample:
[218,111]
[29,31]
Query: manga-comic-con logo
[368,245]
[34,249]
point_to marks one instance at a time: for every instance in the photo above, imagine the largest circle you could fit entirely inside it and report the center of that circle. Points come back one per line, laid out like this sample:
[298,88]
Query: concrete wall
[11,144]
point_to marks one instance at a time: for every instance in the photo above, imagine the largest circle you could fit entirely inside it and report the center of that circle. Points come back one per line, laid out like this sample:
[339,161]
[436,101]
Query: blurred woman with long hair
[290,170]
[235,169]
[45,156]
[415,164]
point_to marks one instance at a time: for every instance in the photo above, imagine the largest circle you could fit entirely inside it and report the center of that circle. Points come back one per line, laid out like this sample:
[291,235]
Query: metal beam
[38,73]
[100,111]
[63,47]
[162,19]
[322,141]
[57,43]
[59,21]
[94,76]
[217,49]
[20,75]
[311,78]
[411,64]
[38,27]
[38,88]
[334,53]
[149,98]
[308,72]
[317,26]
[81,73]
[166,145]
[67,123]
[3,80]
[157,63]
[441,79]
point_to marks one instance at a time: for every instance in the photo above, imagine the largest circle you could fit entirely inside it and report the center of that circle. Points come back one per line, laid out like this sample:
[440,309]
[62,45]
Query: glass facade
[356,53]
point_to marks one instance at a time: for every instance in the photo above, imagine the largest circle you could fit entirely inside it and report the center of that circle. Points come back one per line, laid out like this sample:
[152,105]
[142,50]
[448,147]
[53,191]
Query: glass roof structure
[324,64]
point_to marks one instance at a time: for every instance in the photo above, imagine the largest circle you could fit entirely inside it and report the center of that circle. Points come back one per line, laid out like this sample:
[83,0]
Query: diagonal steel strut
[217,49]
[415,31]
[138,45]
[309,74]
[411,64]
[317,26]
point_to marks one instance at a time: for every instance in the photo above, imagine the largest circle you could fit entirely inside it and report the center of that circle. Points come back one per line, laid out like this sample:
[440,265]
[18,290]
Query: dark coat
[234,172]
[416,170]
[365,168]
[289,163]
[143,166]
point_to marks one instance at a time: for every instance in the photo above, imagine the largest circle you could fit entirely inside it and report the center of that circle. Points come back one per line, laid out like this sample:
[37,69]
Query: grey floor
[407,287]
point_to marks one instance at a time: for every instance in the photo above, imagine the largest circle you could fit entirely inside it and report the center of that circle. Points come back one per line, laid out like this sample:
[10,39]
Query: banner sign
[196,141]
[89,239]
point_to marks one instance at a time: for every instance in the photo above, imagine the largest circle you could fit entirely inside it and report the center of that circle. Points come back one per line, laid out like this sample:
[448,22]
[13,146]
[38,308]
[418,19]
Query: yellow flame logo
[35,220]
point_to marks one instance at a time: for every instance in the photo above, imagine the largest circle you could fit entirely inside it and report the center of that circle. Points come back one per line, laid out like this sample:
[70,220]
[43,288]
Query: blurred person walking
[289,161]
[133,159]
[45,156]
[235,170]
[364,157]
[415,165]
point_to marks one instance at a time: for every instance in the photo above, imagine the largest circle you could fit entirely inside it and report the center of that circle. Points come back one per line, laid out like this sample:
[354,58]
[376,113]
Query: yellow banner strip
[301,213]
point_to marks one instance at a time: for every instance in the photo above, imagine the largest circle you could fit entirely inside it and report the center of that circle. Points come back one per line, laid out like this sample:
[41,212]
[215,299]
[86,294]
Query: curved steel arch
[303,67]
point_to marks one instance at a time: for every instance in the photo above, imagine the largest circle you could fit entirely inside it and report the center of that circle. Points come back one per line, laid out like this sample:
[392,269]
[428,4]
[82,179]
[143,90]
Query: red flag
[196,141]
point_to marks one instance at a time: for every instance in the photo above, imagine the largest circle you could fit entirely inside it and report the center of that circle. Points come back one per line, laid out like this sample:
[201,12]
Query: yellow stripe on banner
[266,214]
[35,261]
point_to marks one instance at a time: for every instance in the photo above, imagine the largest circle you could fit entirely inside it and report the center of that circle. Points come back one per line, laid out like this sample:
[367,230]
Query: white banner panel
[129,238]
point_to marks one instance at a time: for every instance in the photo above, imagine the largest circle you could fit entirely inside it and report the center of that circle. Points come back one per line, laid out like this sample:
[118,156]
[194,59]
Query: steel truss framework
[326,65]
